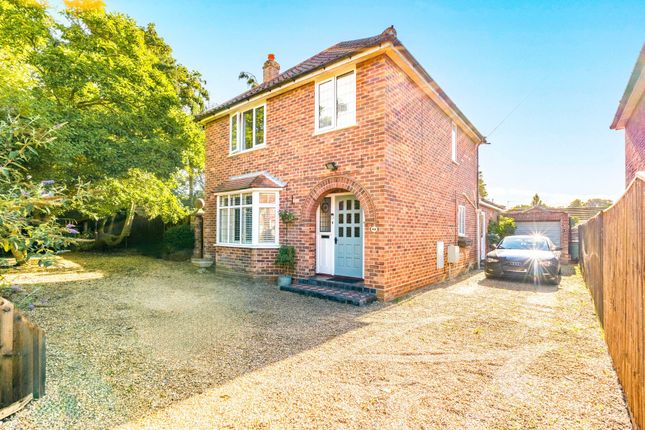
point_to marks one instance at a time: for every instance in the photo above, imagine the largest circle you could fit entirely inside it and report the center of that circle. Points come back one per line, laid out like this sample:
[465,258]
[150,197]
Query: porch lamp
[331,166]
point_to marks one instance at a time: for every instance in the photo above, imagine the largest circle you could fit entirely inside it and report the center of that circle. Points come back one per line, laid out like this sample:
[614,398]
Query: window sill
[329,130]
[255,148]
[246,245]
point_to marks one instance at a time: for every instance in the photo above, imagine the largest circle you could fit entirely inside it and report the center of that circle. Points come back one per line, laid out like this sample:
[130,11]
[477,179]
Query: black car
[533,258]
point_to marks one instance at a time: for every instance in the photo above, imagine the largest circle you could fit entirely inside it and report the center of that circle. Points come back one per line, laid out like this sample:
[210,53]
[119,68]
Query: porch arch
[340,183]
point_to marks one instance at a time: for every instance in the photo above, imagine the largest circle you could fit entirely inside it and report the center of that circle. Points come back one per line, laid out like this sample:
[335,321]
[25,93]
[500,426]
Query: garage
[551,222]
[550,229]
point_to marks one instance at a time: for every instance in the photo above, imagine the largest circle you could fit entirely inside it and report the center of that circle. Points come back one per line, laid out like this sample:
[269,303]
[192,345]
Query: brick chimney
[271,68]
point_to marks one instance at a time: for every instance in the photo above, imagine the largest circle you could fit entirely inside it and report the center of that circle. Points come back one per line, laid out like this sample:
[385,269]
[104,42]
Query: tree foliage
[127,106]
[483,192]
[537,201]
[500,228]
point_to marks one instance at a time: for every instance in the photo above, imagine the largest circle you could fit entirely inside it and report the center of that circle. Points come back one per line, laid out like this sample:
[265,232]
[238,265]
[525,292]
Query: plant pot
[202,263]
[284,280]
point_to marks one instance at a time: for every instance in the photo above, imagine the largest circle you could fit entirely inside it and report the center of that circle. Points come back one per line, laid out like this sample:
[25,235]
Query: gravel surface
[147,343]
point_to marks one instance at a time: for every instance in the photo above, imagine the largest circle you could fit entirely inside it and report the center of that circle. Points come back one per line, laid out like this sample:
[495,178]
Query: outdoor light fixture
[331,166]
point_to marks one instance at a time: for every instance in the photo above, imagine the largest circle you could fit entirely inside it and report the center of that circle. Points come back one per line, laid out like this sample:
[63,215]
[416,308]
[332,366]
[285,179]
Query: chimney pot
[270,69]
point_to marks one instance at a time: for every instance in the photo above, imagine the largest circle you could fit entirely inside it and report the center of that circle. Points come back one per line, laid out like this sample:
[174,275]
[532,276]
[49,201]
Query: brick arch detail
[340,183]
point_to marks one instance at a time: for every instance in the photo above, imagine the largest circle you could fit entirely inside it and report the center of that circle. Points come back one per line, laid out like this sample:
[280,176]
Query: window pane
[349,205]
[340,231]
[325,104]
[247,129]
[223,225]
[267,225]
[237,225]
[247,225]
[234,133]
[349,231]
[225,201]
[357,232]
[341,205]
[259,125]
[267,198]
[247,199]
[341,219]
[235,200]
[357,218]
[325,215]
[346,100]
[357,204]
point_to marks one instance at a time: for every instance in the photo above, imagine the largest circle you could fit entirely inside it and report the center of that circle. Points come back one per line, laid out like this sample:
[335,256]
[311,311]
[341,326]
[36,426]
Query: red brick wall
[396,160]
[424,187]
[538,214]
[294,155]
[635,142]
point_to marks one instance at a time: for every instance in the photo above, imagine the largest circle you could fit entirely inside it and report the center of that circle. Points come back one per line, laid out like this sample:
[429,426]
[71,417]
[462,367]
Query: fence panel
[22,360]
[613,265]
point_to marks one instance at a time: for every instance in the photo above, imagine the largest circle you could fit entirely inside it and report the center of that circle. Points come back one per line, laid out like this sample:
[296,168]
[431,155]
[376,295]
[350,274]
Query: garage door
[550,229]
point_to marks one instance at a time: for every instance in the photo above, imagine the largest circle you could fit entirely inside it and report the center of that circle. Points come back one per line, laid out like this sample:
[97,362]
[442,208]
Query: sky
[559,68]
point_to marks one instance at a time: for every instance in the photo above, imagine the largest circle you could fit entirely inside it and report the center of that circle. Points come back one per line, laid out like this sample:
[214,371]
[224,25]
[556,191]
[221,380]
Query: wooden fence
[22,360]
[612,259]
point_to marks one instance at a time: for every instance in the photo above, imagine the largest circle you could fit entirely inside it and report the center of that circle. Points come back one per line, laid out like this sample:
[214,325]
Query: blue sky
[568,61]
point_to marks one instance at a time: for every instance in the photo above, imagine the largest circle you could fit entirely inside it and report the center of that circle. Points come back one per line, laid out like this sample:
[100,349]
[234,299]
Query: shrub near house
[376,162]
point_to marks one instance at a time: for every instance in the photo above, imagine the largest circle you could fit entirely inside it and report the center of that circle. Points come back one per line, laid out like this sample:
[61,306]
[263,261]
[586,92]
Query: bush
[179,237]
[498,230]
[286,257]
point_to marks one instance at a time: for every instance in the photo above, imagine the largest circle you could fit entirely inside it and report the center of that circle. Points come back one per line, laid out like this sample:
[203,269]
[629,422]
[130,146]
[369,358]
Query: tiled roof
[257,181]
[334,54]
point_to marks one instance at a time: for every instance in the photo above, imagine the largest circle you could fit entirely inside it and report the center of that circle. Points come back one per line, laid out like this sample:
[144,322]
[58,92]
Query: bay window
[336,102]
[247,130]
[248,218]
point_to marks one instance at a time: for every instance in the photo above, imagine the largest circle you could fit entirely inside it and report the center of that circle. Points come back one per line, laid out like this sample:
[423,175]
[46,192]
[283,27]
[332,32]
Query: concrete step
[356,298]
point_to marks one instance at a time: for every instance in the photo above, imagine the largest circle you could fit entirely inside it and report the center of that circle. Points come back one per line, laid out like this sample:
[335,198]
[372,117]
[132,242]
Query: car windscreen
[537,243]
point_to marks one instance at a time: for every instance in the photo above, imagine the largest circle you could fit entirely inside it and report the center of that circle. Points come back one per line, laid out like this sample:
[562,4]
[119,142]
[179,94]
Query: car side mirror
[557,248]
[494,246]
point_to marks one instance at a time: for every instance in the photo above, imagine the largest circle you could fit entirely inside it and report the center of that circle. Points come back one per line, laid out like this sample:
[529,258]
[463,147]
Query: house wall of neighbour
[548,215]
[491,215]
[295,155]
[424,187]
[635,142]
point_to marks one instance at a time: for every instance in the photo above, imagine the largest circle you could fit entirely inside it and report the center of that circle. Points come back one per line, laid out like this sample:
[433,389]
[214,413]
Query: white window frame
[333,125]
[240,127]
[453,142]
[461,221]
[255,226]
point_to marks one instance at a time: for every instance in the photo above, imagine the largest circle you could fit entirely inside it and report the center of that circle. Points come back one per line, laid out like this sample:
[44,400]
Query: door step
[335,293]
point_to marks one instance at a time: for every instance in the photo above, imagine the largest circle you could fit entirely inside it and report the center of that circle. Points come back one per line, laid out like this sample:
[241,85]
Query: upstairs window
[336,102]
[453,142]
[461,221]
[247,130]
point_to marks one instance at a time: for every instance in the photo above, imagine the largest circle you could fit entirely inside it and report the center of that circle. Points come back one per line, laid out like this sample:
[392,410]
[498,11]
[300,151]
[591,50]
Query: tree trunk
[21,256]
[108,238]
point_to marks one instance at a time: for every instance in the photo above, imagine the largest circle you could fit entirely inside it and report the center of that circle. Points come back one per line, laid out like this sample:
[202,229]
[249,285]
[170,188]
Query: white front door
[325,237]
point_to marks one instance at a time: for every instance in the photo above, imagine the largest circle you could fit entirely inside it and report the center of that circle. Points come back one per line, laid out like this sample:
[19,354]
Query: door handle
[335,241]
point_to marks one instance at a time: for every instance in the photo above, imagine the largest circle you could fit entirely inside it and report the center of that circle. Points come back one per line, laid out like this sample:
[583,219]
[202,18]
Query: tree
[576,203]
[483,193]
[251,80]
[537,201]
[28,223]
[598,203]
[499,229]
[127,105]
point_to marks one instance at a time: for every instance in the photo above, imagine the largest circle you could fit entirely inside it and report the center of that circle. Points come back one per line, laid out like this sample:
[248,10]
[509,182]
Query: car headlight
[492,260]
[548,263]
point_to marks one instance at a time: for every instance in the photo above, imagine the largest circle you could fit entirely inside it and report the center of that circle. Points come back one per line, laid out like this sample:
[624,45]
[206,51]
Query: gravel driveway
[147,343]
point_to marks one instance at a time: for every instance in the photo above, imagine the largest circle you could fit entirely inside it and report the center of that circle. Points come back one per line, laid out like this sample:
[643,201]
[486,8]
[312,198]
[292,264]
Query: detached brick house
[630,116]
[363,146]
